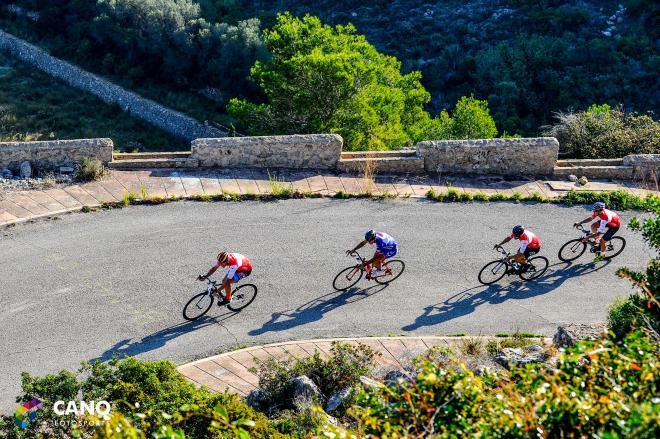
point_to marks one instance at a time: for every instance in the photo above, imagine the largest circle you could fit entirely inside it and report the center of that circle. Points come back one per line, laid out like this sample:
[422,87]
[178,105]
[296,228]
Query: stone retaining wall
[645,166]
[310,151]
[165,118]
[54,153]
[531,156]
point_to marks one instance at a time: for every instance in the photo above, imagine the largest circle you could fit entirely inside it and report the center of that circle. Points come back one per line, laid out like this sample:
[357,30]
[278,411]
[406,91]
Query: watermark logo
[98,408]
[27,413]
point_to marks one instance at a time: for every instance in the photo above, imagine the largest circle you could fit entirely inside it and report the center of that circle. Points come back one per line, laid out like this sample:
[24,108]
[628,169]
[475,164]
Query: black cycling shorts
[609,233]
[531,251]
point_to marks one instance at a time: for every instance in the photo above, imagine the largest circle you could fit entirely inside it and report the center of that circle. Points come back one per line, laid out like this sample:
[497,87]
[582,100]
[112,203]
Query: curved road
[90,285]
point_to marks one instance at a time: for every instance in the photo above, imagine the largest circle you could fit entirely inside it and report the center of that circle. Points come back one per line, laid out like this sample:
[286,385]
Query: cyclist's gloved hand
[349,252]
[201,277]
[575,225]
[496,246]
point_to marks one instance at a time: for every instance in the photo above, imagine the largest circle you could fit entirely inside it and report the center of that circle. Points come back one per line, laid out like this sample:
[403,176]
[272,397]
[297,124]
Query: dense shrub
[603,132]
[599,388]
[145,396]
[339,371]
[166,40]
[641,309]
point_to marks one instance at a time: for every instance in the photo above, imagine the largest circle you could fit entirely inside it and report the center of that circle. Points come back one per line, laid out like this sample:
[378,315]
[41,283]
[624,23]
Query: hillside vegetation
[34,106]
[522,61]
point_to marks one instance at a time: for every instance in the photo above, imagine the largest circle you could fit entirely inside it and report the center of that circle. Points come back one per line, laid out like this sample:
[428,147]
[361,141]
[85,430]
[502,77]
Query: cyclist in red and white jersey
[239,267]
[529,244]
[605,227]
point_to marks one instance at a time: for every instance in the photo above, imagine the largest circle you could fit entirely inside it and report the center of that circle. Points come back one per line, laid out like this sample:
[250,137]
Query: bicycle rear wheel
[536,268]
[393,269]
[242,297]
[492,272]
[197,306]
[347,278]
[572,250]
[617,245]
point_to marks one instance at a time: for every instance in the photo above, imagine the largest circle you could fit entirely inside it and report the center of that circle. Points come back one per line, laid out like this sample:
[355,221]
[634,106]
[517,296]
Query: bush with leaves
[604,132]
[339,371]
[146,396]
[602,388]
[641,309]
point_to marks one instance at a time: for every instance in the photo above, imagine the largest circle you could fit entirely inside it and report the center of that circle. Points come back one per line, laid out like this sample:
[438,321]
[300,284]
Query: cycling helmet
[518,230]
[371,234]
[598,206]
[223,257]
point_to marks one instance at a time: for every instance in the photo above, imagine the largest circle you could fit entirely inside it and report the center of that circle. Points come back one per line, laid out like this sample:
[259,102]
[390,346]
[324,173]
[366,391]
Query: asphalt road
[87,286]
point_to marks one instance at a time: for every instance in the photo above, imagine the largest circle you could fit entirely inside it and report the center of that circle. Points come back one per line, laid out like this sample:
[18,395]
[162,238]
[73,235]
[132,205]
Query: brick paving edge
[347,339]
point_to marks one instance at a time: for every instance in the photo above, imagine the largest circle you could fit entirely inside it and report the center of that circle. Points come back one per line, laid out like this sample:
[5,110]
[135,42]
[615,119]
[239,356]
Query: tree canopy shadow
[466,301]
[129,347]
[315,309]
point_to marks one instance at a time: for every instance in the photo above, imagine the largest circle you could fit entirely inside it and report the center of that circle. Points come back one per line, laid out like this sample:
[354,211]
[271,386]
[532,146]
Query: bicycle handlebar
[357,256]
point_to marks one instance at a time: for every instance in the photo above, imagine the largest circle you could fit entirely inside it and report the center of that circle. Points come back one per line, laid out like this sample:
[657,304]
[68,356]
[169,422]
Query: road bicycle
[495,270]
[391,269]
[574,248]
[241,297]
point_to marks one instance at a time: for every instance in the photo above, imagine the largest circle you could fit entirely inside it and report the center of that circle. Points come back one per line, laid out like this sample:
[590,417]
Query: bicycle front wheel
[572,250]
[242,297]
[393,269]
[197,306]
[614,247]
[536,267]
[492,272]
[347,278]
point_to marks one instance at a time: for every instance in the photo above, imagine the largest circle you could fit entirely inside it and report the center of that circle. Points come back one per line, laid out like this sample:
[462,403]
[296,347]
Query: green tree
[325,79]
[471,120]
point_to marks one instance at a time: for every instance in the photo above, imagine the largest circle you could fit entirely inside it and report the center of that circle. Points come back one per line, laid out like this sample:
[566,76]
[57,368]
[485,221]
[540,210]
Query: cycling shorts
[240,275]
[609,233]
[531,251]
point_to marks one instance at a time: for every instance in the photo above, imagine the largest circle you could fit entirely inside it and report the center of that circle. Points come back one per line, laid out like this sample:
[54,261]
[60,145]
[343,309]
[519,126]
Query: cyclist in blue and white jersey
[386,248]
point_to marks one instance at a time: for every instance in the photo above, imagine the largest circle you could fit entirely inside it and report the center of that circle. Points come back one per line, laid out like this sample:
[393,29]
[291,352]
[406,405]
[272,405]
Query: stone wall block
[55,153]
[645,166]
[528,156]
[307,151]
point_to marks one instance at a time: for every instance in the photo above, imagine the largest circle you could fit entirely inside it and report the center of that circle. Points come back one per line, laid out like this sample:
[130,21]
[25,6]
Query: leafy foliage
[147,397]
[339,371]
[528,59]
[325,79]
[166,40]
[641,309]
[599,388]
[603,132]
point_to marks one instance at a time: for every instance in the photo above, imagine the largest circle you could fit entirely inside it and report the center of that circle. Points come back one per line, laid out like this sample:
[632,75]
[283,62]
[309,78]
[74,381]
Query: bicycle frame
[367,267]
[211,286]
[503,260]
[586,233]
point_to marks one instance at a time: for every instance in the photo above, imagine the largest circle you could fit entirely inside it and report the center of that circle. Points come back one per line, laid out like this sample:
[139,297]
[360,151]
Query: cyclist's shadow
[315,309]
[466,301]
[129,348]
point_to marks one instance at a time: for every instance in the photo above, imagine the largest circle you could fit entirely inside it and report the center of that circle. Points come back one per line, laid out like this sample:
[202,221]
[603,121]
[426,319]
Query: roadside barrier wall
[54,153]
[309,151]
[175,123]
[645,166]
[530,156]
